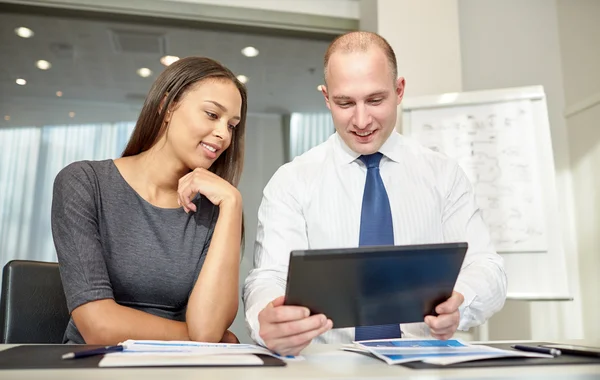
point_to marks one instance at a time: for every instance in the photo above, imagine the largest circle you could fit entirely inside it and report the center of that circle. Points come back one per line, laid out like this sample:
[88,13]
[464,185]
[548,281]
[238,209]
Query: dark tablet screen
[374,285]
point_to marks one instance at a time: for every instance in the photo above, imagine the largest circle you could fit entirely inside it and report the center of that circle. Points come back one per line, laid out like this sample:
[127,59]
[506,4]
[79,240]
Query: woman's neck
[154,174]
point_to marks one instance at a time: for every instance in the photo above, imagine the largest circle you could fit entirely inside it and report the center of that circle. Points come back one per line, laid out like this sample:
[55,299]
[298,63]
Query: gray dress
[113,244]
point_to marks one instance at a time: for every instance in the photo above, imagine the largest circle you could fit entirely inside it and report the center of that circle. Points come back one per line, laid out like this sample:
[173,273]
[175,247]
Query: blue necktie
[376,228]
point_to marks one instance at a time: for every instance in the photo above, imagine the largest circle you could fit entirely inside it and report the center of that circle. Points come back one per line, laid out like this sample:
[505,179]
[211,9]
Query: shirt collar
[390,149]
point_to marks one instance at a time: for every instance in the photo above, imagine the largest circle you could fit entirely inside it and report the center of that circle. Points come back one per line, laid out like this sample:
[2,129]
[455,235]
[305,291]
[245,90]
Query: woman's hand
[207,183]
[229,337]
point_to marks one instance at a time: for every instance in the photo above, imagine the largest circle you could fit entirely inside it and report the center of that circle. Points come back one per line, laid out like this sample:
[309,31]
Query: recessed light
[59,93]
[21,82]
[7,117]
[250,51]
[43,64]
[24,32]
[242,78]
[169,59]
[144,72]
[71,114]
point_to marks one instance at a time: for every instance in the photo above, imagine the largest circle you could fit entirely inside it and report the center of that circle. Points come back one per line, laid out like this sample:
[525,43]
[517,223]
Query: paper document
[432,351]
[133,359]
[143,353]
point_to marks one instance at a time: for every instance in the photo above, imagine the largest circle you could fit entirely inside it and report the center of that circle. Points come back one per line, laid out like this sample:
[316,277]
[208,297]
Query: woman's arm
[86,282]
[106,322]
[213,303]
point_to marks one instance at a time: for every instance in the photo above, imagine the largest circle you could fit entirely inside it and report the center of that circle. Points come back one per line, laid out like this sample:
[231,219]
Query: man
[367,185]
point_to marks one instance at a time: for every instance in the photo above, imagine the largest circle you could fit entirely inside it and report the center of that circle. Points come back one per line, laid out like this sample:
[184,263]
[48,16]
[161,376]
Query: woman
[149,244]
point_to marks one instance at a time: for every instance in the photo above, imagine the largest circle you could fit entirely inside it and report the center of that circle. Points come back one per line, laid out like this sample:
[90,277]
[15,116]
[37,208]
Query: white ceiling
[99,81]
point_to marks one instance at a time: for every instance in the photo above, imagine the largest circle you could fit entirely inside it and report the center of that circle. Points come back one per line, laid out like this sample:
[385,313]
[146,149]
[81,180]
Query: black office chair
[33,308]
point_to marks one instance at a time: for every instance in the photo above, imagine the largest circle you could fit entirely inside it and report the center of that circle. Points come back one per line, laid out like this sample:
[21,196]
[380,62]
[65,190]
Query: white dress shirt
[315,202]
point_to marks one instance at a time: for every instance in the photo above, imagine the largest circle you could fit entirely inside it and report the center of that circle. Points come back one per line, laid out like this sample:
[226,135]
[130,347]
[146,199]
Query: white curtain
[30,160]
[308,130]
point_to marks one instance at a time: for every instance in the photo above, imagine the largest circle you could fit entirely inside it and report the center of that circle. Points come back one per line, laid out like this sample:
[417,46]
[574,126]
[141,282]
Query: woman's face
[201,124]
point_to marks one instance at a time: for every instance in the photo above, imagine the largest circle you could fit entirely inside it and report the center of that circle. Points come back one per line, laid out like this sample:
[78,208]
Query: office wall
[264,154]
[515,43]
[579,36]
[425,38]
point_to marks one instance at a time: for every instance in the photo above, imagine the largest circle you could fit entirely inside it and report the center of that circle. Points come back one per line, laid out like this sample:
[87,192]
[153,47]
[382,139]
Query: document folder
[49,357]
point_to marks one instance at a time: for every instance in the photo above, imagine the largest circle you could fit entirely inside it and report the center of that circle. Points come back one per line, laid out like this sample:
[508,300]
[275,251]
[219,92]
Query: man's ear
[323,90]
[400,83]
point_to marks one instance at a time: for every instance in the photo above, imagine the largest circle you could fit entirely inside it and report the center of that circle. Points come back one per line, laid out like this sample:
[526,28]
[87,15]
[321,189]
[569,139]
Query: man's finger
[442,336]
[298,327]
[282,314]
[278,301]
[441,322]
[444,330]
[286,346]
[451,304]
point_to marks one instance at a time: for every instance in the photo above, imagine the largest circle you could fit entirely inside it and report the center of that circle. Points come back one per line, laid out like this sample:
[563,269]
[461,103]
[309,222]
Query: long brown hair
[170,86]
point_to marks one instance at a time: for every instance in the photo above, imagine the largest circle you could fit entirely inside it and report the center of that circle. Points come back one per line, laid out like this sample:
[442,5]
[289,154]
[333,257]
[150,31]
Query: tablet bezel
[295,295]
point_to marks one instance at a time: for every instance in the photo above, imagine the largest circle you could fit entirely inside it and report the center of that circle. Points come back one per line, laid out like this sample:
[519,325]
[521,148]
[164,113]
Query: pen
[539,350]
[95,351]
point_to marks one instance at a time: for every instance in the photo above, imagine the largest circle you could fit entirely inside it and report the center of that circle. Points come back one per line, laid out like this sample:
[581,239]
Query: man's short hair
[361,41]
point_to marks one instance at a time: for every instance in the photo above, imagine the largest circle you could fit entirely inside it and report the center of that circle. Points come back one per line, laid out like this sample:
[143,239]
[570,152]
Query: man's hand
[445,324]
[286,330]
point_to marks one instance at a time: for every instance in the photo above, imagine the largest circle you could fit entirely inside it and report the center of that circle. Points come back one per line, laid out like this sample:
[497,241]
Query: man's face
[363,98]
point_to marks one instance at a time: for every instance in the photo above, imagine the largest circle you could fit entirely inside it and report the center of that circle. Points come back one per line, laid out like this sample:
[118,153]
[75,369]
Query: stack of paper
[396,351]
[143,353]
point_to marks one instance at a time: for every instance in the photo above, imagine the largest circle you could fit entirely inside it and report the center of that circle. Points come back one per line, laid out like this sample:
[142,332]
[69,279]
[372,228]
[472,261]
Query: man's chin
[366,149]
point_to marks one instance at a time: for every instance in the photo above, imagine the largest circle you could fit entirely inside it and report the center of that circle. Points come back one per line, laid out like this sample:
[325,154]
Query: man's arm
[281,229]
[482,279]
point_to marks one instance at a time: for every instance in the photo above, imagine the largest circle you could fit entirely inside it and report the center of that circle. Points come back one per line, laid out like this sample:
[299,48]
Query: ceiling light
[21,82]
[169,59]
[71,114]
[59,93]
[7,117]
[250,51]
[242,78]
[43,65]
[144,72]
[24,32]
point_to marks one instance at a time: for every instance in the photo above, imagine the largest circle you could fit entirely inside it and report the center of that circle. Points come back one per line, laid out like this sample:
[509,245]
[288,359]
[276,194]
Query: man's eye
[375,101]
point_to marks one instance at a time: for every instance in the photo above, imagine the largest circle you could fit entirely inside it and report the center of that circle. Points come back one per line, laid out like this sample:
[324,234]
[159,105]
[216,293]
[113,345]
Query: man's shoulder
[303,168]
[425,155]
[309,160]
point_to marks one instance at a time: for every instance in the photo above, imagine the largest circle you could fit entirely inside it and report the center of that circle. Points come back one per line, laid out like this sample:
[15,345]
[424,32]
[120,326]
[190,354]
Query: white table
[322,362]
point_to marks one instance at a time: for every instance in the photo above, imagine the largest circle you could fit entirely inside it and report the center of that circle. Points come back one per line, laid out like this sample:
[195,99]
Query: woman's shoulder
[83,172]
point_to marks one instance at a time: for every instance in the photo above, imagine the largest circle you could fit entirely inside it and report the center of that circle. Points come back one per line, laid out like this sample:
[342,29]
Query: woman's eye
[212,115]
[231,126]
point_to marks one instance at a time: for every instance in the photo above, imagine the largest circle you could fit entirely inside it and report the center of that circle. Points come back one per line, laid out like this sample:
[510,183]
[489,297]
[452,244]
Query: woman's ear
[162,103]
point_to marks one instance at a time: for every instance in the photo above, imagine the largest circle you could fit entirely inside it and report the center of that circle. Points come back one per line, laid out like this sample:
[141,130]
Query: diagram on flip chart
[495,146]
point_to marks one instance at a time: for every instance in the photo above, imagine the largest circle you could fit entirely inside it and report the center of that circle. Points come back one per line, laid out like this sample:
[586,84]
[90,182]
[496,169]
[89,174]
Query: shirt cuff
[465,312]
[253,324]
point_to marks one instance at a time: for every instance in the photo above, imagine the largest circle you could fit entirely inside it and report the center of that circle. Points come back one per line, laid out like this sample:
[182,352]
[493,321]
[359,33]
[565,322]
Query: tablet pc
[374,285]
